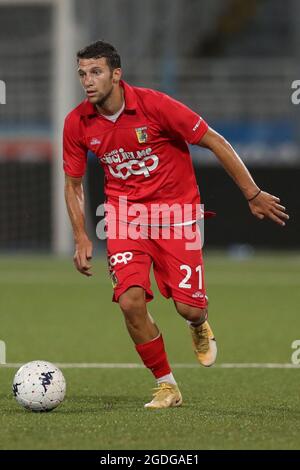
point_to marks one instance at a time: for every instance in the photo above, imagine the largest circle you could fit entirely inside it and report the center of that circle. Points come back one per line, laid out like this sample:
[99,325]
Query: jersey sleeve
[74,152]
[179,120]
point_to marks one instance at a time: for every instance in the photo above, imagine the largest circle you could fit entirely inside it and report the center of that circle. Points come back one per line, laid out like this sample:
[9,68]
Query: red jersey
[144,153]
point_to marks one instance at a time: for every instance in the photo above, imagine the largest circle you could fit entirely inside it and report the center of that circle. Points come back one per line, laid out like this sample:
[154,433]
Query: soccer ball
[39,386]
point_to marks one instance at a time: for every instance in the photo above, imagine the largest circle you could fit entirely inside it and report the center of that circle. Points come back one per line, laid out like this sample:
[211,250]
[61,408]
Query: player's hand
[83,255]
[267,205]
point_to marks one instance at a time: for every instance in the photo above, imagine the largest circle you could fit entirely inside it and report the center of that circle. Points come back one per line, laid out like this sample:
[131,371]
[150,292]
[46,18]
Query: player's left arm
[261,203]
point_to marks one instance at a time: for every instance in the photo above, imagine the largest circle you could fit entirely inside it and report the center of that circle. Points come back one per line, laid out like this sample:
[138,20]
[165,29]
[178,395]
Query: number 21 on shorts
[188,270]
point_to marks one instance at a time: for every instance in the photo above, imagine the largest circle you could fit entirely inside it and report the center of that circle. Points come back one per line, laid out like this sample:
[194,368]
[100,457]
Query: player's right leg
[129,270]
[150,346]
[139,323]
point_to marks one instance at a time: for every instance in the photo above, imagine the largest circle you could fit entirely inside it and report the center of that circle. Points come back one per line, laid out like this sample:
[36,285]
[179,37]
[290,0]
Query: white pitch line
[122,365]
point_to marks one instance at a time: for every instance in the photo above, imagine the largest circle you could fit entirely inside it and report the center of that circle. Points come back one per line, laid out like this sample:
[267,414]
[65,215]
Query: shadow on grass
[85,404]
[103,403]
[77,404]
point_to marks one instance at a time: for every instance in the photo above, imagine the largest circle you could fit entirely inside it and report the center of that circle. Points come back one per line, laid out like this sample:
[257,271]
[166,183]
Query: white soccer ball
[39,386]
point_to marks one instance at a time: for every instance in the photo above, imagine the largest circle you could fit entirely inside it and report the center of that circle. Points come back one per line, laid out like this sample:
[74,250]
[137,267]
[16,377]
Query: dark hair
[99,49]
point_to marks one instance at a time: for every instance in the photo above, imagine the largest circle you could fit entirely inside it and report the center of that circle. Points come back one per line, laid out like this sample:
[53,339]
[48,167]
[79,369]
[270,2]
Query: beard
[102,100]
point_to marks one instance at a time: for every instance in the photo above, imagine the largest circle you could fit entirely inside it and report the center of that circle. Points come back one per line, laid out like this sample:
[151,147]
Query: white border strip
[109,365]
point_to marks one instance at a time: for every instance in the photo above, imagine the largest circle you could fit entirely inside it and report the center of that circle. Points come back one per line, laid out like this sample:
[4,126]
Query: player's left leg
[178,269]
[204,341]
[129,266]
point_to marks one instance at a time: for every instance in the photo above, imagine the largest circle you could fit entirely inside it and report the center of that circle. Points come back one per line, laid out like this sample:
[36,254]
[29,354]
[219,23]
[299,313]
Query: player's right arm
[74,196]
[75,156]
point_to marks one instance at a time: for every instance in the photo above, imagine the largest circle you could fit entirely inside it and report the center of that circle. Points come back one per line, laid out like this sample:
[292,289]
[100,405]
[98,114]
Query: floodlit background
[234,62]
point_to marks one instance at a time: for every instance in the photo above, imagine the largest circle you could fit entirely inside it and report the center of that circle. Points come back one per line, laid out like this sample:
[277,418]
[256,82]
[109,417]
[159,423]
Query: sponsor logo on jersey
[120,258]
[135,167]
[197,124]
[141,134]
[95,141]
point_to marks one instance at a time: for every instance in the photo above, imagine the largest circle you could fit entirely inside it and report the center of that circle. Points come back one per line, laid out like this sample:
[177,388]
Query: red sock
[154,356]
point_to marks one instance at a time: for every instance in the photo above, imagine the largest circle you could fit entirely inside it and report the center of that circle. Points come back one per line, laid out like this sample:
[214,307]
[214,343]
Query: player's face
[97,79]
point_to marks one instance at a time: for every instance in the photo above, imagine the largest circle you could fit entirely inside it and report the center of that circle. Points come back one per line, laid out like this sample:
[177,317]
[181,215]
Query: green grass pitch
[50,312]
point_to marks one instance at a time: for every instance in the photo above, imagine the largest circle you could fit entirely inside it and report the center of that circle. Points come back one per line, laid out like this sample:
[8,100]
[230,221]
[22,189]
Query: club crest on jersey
[141,134]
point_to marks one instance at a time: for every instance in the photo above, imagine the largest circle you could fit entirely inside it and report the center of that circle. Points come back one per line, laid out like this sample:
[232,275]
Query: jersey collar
[88,109]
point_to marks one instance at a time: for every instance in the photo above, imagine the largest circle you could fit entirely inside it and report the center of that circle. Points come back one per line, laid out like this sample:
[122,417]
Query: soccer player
[140,137]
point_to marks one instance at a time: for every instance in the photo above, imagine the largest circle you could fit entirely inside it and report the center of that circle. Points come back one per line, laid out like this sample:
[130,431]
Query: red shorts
[178,270]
